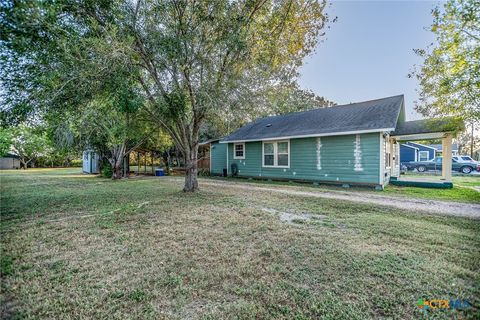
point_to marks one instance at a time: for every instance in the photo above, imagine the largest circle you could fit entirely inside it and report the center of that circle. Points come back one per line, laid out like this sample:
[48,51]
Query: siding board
[218,157]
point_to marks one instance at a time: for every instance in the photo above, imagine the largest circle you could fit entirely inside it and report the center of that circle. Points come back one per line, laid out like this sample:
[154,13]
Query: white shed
[91,161]
[9,161]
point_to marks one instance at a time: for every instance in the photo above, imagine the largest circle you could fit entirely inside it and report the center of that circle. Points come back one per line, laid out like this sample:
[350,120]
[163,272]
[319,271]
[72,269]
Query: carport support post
[392,164]
[138,163]
[447,157]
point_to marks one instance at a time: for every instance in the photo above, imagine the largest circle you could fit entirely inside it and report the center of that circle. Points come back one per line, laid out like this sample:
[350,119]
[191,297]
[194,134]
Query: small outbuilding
[9,161]
[91,162]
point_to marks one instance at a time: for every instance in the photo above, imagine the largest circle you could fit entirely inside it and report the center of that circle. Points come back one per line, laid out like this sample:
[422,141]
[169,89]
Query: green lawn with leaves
[75,246]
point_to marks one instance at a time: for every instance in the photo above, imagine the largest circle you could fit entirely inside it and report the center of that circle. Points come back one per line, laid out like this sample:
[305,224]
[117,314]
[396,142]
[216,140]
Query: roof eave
[329,134]
[421,136]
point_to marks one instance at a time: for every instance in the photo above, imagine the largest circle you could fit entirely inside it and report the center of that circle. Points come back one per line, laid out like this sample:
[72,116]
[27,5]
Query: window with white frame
[239,151]
[276,154]
[423,156]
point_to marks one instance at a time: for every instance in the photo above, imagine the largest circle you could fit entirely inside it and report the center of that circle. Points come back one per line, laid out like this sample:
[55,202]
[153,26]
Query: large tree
[112,123]
[118,129]
[29,143]
[450,75]
[192,59]
[196,55]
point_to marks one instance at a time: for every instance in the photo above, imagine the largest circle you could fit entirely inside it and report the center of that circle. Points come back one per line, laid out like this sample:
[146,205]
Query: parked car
[463,159]
[436,164]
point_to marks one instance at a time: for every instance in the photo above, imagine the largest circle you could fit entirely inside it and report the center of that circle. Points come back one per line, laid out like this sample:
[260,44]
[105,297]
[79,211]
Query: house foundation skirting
[421,183]
[345,184]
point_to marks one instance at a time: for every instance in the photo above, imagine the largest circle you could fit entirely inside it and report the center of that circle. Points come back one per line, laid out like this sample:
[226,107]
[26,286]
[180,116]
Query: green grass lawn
[463,190]
[75,246]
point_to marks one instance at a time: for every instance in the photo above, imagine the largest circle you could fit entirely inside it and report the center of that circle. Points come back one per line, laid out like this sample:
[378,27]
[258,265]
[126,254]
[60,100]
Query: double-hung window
[276,154]
[239,151]
[423,155]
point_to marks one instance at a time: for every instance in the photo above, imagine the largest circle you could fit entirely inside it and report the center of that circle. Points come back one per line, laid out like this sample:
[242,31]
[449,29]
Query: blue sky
[368,52]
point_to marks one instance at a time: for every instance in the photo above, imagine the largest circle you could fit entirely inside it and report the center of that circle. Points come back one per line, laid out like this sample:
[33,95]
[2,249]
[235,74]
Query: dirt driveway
[417,205]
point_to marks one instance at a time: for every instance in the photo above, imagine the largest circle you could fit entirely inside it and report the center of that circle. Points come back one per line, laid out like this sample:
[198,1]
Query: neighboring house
[412,151]
[438,149]
[91,162]
[349,144]
[9,161]
[425,152]
[408,153]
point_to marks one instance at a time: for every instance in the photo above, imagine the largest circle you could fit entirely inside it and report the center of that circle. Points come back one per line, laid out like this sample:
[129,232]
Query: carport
[427,129]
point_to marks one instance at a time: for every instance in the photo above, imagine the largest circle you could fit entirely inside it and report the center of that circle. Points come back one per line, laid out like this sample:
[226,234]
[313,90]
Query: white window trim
[275,154]
[420,157]
[388,148]
[235,153]
[263,154]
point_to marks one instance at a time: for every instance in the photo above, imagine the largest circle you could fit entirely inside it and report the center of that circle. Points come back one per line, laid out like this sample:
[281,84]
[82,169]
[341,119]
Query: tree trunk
[118,154]
[116,171]
[138,164]
[191,170]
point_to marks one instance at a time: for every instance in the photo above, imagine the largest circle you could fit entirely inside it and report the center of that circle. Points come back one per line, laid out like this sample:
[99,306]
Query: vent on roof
[268,125]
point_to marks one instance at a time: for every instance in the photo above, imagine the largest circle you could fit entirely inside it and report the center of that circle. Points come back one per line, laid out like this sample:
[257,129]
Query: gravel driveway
[437,207]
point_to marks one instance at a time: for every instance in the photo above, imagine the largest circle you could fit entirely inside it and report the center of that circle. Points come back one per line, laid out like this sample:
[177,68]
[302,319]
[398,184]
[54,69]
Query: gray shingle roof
[414,127]
[373,115]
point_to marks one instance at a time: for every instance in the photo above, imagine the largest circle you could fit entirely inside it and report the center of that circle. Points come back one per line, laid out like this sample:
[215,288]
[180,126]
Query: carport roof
[425,128]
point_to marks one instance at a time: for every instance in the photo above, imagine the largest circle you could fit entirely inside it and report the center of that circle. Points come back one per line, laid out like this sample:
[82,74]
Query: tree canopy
[5,141]
[450,75]
[188,61]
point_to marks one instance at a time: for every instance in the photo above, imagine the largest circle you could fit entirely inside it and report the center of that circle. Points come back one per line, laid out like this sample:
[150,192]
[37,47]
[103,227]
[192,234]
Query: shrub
[107,171]
[76,163]
[203,172]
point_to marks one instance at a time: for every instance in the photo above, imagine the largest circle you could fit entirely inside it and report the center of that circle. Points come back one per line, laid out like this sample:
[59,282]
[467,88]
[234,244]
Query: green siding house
[348,144]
